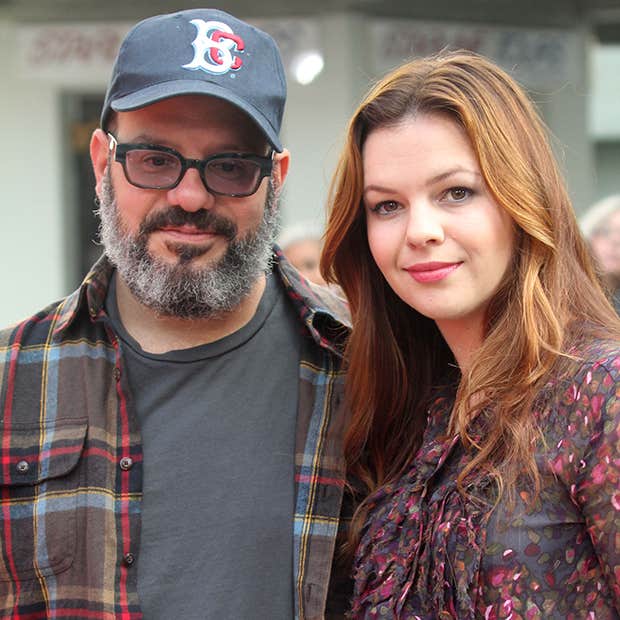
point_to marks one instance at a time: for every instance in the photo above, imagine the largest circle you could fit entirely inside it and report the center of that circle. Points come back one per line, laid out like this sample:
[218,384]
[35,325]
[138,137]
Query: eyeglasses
[152,166]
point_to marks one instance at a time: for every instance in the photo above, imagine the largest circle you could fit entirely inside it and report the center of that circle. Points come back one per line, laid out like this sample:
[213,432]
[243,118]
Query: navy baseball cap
[200,52]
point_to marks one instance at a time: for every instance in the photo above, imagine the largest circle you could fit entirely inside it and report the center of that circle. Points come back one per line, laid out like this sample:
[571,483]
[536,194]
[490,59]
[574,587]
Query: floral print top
[428,552]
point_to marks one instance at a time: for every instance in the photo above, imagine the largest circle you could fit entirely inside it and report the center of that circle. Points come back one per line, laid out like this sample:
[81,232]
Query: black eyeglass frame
[264,162]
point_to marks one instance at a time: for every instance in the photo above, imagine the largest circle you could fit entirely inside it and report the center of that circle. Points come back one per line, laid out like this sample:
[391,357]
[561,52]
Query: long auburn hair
[550,299]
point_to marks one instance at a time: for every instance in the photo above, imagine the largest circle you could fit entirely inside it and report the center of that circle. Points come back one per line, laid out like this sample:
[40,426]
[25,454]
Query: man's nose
[191,193]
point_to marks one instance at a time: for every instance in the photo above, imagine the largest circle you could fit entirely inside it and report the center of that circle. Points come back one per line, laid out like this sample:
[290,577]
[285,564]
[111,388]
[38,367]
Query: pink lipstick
[431,272]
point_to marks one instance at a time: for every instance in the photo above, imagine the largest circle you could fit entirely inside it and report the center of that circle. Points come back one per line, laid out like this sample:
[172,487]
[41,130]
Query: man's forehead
[194,106]
[193,112]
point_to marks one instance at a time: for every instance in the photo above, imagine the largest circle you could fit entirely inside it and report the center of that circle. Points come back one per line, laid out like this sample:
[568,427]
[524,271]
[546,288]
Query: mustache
[202,220]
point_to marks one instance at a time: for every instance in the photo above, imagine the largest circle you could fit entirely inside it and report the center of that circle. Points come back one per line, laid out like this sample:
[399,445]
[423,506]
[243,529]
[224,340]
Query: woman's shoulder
[584,397]
[598,358]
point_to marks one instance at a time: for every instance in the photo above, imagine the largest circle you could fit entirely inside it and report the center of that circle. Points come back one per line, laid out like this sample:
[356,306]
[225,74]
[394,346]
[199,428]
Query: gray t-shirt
[218,431]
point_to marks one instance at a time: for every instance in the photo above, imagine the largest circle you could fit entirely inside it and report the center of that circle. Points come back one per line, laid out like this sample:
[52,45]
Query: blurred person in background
[601,226]
[302,244]
[483,368]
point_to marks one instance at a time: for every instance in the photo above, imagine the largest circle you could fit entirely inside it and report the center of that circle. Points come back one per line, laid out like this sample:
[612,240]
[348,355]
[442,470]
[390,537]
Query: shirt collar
[89,297]
[323,310]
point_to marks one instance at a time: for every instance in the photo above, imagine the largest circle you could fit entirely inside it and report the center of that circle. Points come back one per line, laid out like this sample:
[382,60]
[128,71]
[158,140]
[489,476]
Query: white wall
[604,118]
[31,250]
[315,120]
[607,169]
[604,103]
[564,104]
[37,242]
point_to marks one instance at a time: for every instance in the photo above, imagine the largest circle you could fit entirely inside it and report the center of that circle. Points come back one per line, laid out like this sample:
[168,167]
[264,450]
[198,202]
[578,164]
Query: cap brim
[159,92]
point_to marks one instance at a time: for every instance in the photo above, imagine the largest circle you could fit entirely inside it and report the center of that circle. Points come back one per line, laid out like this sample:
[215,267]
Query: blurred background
[57,57]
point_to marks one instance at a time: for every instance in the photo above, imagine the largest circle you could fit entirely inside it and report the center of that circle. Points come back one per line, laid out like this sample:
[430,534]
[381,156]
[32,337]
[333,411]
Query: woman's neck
[464,337]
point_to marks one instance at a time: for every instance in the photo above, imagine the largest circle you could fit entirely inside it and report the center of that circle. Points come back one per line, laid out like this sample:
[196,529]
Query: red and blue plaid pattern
[71,458]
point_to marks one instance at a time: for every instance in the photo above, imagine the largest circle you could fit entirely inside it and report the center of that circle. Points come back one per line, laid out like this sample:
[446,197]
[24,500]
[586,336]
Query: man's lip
[187,231]
[431,271]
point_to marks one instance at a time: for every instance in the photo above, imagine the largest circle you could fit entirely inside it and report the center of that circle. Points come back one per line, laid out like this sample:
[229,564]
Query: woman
[600,225]
[483,363]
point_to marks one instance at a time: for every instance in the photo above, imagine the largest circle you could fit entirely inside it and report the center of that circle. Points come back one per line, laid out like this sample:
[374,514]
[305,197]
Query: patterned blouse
[427,552]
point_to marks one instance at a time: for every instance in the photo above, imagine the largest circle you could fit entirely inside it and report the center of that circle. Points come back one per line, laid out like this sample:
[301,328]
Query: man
[172,431]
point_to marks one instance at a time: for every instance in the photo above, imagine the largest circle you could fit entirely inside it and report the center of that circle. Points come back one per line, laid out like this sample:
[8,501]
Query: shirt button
[116,373]
[129,559]
[22,467]
[126,463]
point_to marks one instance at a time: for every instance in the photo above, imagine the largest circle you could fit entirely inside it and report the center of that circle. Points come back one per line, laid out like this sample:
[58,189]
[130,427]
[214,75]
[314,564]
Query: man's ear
[281,162]
[99,149]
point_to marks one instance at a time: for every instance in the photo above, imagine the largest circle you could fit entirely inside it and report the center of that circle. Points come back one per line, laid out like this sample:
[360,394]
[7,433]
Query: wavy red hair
[550,300]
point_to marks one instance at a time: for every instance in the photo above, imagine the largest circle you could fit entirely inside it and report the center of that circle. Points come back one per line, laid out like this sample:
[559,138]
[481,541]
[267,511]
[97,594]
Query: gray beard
[181,290]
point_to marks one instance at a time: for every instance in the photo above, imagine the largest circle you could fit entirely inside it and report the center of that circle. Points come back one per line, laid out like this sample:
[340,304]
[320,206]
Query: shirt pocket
[39,484]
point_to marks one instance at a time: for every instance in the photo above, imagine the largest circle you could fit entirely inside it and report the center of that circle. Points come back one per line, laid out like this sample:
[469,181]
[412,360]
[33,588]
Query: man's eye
[231,168]
[158,160]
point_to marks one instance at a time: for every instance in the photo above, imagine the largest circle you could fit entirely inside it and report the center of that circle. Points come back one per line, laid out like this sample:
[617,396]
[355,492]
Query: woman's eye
[457,194]
[385,208]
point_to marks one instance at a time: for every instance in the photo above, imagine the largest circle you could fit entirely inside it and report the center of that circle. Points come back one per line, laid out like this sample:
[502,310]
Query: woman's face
[605,243]
[440,240]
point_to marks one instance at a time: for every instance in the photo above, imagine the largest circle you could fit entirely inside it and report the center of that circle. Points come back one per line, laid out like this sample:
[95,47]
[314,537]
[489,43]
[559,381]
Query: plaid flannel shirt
[71,458]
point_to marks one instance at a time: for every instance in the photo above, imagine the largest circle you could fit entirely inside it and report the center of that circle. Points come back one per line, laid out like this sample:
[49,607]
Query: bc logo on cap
[213,47]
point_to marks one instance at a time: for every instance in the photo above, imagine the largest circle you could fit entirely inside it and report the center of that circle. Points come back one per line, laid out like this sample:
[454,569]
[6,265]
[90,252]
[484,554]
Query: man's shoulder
[332,300]
[312,298]
[58,315]
[33,328]
[322,310]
